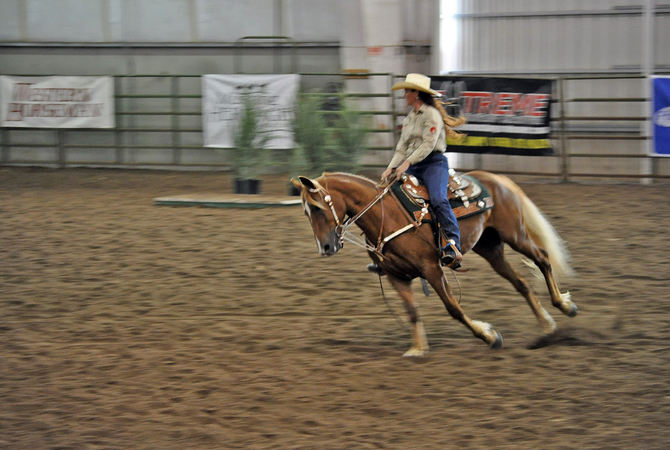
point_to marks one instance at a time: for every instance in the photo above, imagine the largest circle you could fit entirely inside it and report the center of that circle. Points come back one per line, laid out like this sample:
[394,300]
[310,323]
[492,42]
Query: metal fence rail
[140,115]
[158,121]
[568,136]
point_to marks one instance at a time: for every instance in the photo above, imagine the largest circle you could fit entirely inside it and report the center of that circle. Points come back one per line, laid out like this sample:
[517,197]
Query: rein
[343,233]
[342,229]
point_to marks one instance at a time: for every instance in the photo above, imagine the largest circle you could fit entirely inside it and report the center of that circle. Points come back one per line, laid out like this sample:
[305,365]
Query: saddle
[466,195]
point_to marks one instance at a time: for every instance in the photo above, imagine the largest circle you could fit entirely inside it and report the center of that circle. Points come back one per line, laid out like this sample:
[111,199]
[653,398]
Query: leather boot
[451,256]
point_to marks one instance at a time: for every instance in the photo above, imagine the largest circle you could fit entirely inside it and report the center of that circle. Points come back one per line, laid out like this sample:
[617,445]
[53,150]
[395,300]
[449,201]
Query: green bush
[331,140]
[348,140]
[250,157]
[309,130]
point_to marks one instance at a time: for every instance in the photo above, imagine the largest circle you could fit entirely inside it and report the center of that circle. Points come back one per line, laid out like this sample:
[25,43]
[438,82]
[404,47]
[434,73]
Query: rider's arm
[401,147]
[431,127]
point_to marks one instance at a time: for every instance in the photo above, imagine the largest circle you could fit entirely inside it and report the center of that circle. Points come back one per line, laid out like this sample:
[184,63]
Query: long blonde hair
[450,122]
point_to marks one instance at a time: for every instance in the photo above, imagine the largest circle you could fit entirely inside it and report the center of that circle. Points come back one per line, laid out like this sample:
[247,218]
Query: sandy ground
[129,325]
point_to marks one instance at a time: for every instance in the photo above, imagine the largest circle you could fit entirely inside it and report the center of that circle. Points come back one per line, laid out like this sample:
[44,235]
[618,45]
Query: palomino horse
[335,201]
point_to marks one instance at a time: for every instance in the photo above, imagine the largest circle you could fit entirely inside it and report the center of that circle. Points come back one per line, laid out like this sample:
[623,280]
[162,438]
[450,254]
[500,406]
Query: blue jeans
[433,172]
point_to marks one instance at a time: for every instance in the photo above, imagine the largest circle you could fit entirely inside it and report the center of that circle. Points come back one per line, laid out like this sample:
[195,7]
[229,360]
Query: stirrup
[451,256]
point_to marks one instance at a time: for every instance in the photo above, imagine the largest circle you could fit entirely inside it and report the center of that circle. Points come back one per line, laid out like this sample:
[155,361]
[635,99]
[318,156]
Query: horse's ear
[296,183]
[307,182]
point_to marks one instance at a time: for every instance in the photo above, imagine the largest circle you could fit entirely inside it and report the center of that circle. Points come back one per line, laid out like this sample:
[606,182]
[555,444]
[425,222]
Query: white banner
[273,96]
[57,102]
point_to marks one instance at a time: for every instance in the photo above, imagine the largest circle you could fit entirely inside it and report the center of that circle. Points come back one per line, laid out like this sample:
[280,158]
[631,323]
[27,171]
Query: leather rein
[342,229]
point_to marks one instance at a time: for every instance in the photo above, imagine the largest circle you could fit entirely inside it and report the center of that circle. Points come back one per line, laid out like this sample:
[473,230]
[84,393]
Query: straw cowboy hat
[416,81]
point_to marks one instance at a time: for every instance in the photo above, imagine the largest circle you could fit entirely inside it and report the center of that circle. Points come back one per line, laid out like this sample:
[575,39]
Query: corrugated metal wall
[563,37]
[166,20]
[557,35]
[494,37]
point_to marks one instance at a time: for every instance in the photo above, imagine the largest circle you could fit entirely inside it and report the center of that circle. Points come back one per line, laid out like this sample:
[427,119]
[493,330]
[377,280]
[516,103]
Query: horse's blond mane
[321,183]
[346,174]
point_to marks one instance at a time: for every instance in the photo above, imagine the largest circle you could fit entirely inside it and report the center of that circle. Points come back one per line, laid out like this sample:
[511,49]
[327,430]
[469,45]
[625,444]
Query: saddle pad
[467,196]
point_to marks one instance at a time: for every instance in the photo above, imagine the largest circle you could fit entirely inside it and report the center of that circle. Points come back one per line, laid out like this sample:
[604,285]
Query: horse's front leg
[482,330]
[419,342]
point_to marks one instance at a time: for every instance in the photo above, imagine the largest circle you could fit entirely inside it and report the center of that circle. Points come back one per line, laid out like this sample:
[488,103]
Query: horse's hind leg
[539,256]
[419,342]
[482,330]
[491,248]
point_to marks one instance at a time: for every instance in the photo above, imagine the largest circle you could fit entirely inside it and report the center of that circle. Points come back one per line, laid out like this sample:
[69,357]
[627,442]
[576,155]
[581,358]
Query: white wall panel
[10,20]
[229,20]
[64,20]
[381,21]
[313,20]
[524,6]
[662,40]
[556,35]
[170,20]
[417,20]
[158,21]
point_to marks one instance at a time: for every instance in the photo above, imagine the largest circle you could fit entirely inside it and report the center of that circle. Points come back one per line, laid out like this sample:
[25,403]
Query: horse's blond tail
[545,236]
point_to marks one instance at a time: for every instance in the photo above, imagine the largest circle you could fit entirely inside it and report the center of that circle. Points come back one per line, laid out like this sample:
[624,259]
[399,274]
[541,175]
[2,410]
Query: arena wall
[599,39]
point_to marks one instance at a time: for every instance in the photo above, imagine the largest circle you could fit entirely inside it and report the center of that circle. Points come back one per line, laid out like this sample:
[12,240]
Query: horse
[335,201]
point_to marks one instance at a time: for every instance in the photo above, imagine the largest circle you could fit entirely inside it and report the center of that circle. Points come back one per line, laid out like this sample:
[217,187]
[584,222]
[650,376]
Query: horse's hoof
[497,342]
[572,310]
[548,330]
[567,306]
[548,324]
[414,353]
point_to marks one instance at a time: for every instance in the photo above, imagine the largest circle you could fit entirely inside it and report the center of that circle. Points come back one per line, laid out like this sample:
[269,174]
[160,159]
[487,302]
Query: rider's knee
[439,203]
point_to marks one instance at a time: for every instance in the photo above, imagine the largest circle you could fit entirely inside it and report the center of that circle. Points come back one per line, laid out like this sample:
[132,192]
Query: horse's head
[325,213]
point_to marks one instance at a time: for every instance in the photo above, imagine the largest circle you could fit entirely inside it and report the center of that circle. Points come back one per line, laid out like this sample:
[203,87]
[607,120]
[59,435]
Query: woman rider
[420,152]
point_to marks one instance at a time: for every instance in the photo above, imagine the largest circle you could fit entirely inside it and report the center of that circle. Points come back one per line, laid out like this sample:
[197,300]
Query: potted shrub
[309,131]
[328,137]
[347,140]
[298,166]
[249,157]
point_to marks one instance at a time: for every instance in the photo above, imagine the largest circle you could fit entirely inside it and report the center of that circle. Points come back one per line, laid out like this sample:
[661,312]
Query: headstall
[342,229]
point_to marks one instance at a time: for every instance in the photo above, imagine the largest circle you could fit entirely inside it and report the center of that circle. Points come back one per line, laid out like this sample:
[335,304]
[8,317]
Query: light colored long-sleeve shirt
[422,133]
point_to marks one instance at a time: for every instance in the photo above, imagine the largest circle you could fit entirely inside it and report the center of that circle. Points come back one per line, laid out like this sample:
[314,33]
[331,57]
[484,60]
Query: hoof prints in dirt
[128,325]
[568,336]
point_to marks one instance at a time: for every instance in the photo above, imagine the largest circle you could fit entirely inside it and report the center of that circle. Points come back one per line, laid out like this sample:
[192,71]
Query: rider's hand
[386,173]
[402,168]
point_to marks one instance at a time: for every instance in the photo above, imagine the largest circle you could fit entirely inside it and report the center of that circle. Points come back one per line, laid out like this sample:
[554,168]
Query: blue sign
[661,115]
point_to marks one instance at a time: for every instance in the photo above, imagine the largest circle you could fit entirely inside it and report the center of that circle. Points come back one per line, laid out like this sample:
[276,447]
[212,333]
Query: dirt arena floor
[129,325]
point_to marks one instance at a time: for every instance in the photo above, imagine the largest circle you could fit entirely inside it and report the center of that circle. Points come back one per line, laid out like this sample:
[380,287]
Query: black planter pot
[247,186]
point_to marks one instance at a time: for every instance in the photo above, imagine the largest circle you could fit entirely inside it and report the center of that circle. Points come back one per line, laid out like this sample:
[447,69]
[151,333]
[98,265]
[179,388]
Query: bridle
[342,229]
[343,234]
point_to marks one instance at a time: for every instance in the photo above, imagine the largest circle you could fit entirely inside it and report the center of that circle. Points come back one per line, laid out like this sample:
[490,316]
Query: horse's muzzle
[330,246]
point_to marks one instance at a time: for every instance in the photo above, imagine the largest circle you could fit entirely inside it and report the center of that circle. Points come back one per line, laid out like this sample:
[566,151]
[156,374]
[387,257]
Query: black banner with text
[505,115]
